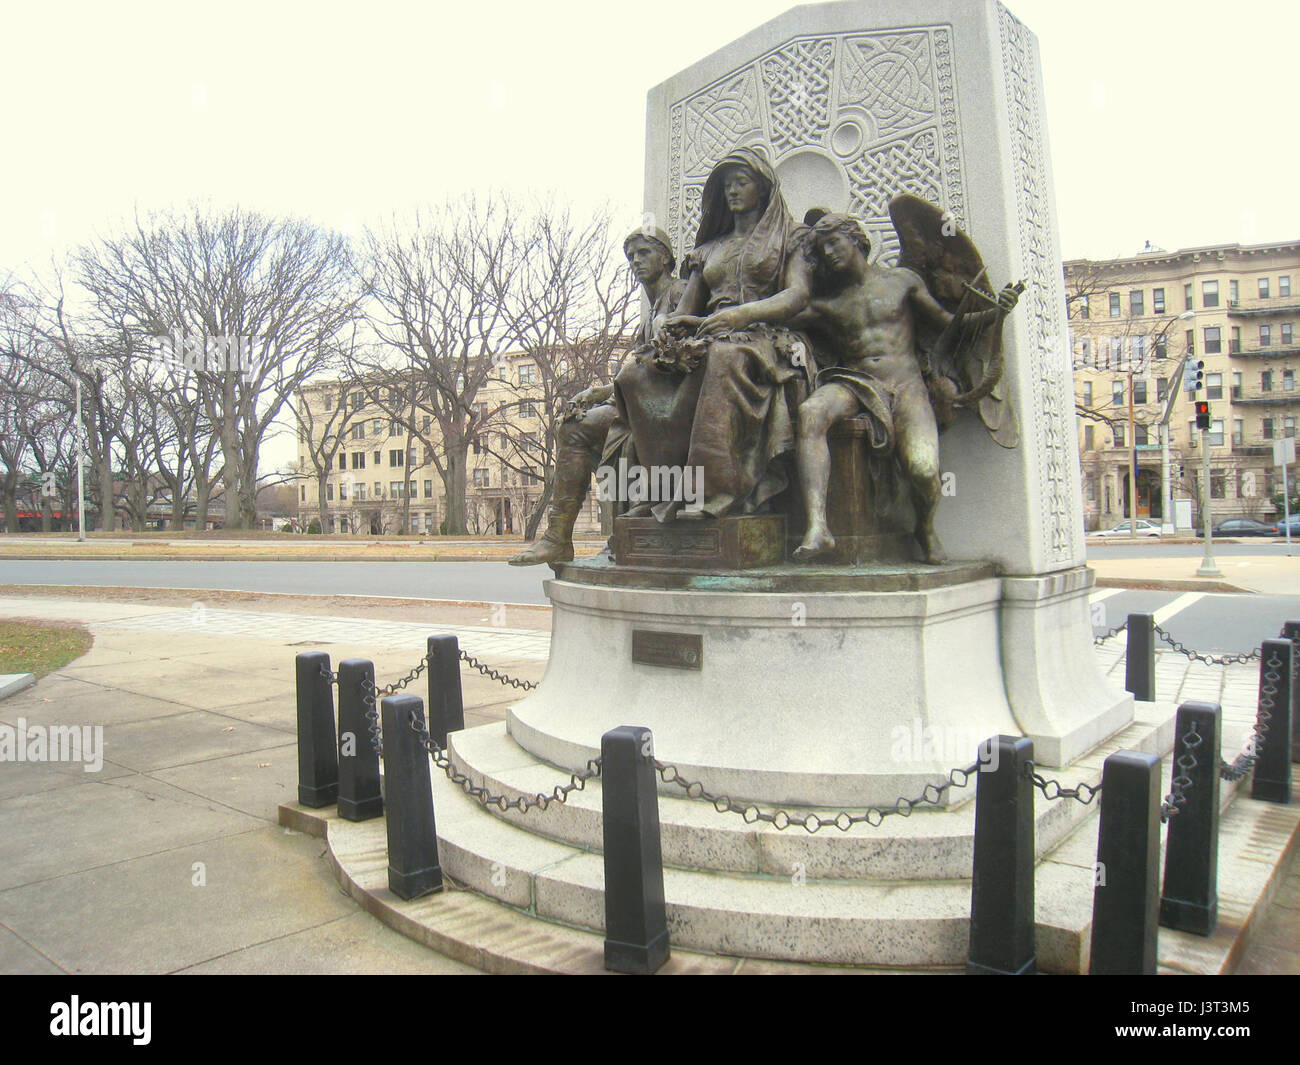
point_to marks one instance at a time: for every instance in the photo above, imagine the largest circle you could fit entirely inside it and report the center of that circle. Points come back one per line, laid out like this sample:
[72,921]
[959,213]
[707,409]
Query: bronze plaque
[677,650]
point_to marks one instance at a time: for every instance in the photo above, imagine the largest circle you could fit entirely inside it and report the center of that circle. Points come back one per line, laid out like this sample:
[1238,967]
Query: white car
[1144,528]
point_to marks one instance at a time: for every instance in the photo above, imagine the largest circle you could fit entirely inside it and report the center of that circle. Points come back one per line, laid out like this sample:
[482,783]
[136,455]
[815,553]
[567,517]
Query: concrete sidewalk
[169,857]
[1264,574]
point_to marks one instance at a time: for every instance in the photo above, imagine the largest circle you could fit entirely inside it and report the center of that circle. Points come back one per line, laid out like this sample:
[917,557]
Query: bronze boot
[556,543]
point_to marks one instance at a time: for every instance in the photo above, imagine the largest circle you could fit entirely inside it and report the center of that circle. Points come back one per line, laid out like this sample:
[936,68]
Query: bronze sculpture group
[778,332]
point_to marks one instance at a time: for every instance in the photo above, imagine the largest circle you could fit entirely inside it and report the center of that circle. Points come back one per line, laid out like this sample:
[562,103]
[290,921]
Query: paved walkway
[168,857]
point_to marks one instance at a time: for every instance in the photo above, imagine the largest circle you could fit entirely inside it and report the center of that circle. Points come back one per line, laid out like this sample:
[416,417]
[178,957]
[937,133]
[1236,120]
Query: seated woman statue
[722,389]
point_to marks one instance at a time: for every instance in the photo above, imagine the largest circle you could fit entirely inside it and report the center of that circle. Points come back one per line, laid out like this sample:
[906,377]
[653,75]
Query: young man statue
[591,429]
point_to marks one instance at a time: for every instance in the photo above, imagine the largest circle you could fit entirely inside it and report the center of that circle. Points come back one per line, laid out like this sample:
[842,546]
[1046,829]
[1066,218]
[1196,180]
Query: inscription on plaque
[677,650]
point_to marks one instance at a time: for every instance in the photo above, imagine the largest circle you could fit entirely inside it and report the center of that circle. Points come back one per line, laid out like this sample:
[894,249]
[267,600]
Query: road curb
[1189,584]
[13,683]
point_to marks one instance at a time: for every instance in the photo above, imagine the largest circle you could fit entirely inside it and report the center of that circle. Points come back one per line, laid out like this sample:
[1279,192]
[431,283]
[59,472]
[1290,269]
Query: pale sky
[1170,120]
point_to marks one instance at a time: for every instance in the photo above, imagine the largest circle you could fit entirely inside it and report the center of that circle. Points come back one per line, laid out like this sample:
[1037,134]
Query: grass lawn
[40,647]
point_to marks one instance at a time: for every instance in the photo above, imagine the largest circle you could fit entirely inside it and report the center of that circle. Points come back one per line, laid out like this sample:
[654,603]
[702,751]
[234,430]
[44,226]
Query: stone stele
[855,103]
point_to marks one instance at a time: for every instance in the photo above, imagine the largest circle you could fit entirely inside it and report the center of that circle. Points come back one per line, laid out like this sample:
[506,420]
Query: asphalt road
[1203,621]
[490,582]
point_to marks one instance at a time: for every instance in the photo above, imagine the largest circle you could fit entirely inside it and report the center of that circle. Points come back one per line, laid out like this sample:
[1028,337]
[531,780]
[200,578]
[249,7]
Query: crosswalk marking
[1177,606]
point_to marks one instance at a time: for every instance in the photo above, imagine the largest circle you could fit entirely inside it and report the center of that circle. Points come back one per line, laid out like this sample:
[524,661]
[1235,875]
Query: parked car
[1280,528]
[1144,528]
[1245,527]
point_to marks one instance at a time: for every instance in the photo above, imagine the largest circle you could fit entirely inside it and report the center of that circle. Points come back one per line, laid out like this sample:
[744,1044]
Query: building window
[1140,435]
[1213,343]
[1087,393]
[410,456]
[1116,356]
[1266,381]
[396,428]
[1234,294]
[1287,340]
[357,399]
[358,460]
[1288,425]
[529,442]
[1234,345]
[329,400]
[1087,438]
[410,488]
[1263,288]
[1209,293]
[527,409]
[379,458]
[1187,298]
[343,461]
[1266,428]
[530,474]
[1139,391]
[359,431]
[360,492]
[1193,434]
[1119,435]
[1114,305]
[428,456]
[1117,393]
[426,423]
[377,427]
[1265,336]
[1162,389]
[1284,285]
[1191,342]
[476,445]
[481,478]
[329,492]
[343,492]
[1216,433]
[302,493]
[395,489]
[1238,432]
[1218,484]
[1157,301]
[396,458]
[1135,303]
[1214,386]
[1236,386]
[1084,311]
[1288,380]
[527,374]
[428,489]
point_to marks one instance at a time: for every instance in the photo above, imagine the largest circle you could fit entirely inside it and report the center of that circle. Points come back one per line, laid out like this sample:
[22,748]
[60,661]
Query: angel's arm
[926,304]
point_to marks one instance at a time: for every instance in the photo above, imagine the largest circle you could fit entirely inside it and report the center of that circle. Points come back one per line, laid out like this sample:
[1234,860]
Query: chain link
[1268,689]
[1209,660]
[1097,641]
[811,822]
[488,671]
[1182,781]
[1082,793]
[521,803]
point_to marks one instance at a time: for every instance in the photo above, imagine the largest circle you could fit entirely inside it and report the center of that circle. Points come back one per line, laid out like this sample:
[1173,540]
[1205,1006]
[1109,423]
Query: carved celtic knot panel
[798,83]
[1052,406]
[880,108]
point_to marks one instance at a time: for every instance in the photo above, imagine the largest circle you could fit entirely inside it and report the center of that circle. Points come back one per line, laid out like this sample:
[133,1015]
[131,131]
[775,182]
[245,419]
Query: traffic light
[1197,380]
[1202,414]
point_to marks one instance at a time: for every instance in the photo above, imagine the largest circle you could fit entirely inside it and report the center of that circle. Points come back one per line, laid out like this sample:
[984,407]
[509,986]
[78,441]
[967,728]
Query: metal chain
[1182,781]
[488,671]
[1082,792]
[811,822]
[1268,688]
[522,803]
[1097,641]
[332,678]
[1209,660]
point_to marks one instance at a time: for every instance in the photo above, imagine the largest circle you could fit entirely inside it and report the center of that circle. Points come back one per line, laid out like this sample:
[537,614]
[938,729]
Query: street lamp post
[1175,383]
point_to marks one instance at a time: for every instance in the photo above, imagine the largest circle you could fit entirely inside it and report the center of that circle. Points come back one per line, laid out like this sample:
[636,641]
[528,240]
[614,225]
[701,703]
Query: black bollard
[413,868]
[636,926]
[1189,901]
[1272,781]
[1291,631]
[446,707]
[1140,658]
[318,764]
[1126,898]
[1002,881]
[359,794]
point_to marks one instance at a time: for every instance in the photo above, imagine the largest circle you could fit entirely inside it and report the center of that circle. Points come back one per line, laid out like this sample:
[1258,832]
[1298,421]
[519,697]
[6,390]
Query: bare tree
[252,306]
